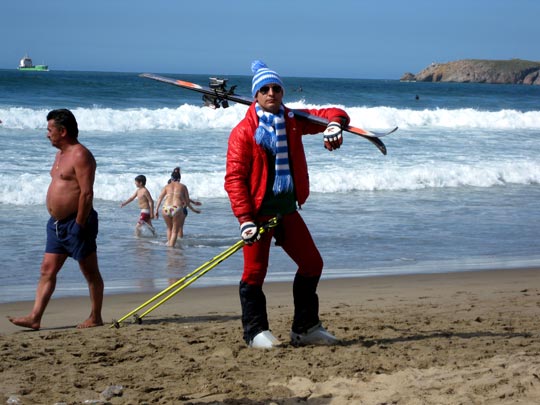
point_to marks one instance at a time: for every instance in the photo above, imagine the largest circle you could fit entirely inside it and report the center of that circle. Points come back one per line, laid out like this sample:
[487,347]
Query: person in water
[73,226]
[176,201]
[146,205]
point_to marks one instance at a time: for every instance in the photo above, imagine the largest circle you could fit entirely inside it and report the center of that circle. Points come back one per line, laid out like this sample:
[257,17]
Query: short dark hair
[65,118]
[175,175]
[141,179]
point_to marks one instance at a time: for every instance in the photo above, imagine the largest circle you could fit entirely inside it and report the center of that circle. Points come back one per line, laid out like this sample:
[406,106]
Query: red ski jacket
[247,165]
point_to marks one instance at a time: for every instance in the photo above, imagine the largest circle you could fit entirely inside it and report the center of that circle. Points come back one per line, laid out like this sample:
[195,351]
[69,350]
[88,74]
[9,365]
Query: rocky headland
[513,71]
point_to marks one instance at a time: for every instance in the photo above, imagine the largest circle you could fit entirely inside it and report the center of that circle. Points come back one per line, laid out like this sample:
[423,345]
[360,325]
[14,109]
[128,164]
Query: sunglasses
[265,89]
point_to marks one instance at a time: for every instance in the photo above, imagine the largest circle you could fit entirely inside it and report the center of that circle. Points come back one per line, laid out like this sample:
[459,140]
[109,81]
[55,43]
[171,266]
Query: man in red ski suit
[267,175]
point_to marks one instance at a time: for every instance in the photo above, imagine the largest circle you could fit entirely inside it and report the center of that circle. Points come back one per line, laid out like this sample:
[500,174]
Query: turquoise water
[458,190]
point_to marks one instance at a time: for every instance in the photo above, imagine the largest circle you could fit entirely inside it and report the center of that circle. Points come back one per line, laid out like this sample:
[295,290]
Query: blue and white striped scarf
[271,134]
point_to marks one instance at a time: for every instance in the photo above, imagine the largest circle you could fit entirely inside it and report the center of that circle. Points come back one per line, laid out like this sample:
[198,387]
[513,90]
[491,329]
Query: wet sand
[457,338]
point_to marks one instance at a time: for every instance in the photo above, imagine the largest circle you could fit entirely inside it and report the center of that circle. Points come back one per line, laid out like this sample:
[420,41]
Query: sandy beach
[457,338]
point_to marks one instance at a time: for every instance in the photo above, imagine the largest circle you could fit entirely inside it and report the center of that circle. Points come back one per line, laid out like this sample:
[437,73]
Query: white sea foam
[386,117]
[139,119]
[23,189]
[426,176]
[431,150]
[189,116]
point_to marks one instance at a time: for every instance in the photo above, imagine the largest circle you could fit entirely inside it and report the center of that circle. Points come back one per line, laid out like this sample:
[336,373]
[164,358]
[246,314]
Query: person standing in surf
[146,205]
[267,176]
[73,226]
[174,211]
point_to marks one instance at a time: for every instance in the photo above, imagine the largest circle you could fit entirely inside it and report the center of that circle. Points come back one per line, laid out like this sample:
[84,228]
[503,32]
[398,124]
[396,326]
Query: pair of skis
[217,95]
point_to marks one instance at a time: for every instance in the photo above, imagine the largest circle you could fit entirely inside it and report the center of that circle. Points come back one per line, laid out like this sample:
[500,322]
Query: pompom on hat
[263,76]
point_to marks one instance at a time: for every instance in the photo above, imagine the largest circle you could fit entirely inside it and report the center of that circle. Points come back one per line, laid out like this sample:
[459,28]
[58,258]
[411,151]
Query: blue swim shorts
[67,237]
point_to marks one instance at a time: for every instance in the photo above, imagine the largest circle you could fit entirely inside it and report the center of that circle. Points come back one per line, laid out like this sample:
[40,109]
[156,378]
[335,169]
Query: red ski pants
[294,237]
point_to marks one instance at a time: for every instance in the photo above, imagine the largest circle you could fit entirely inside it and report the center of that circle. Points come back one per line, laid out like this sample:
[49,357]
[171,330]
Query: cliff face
[514,71]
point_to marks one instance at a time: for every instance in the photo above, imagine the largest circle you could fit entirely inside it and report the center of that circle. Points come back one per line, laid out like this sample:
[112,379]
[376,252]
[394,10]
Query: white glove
[332,136]
[249,232]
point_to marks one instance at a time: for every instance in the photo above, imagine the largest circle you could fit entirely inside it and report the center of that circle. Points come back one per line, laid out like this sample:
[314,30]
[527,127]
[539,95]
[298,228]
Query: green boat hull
[36,68]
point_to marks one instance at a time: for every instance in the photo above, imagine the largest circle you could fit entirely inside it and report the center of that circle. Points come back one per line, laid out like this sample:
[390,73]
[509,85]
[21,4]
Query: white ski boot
[264,340]
[316,335]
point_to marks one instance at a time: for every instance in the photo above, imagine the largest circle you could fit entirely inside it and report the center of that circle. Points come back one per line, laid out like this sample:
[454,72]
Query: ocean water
[458,190]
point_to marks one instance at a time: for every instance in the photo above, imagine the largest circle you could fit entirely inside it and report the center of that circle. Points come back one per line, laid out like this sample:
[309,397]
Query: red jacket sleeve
[241,153]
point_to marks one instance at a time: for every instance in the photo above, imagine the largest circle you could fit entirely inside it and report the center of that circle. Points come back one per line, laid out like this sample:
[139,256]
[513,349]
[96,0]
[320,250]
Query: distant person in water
[146,205]
[73,226]
[177,201]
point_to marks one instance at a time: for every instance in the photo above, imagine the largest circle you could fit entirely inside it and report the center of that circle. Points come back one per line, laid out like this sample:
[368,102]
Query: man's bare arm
[85,171]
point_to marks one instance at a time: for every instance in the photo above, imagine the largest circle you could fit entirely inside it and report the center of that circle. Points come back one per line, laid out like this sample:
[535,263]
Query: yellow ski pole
[201,269]
[201,273]
[233,249]
[116,323]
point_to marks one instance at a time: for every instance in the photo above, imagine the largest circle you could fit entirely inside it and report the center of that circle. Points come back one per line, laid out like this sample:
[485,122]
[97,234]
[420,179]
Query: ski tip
[392,130]
[377,142]
[382,148]
[375,134]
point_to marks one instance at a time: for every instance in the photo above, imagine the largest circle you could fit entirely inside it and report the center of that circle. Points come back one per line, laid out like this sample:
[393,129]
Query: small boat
[26,64]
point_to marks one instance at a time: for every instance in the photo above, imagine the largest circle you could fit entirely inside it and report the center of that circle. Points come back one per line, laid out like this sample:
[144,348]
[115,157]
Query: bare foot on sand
[25,322]
[90,323]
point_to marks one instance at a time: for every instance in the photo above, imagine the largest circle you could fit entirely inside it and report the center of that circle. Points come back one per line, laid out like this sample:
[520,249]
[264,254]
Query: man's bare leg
[90,269]
[50,266]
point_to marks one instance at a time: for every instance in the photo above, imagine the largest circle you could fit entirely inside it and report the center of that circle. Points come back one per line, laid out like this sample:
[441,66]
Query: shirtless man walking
[73,226]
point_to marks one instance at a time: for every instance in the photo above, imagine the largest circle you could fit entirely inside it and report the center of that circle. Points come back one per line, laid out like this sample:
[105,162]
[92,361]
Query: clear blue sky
[379,39]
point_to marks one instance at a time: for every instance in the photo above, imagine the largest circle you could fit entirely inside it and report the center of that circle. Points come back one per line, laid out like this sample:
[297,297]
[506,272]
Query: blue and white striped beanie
[263,76]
